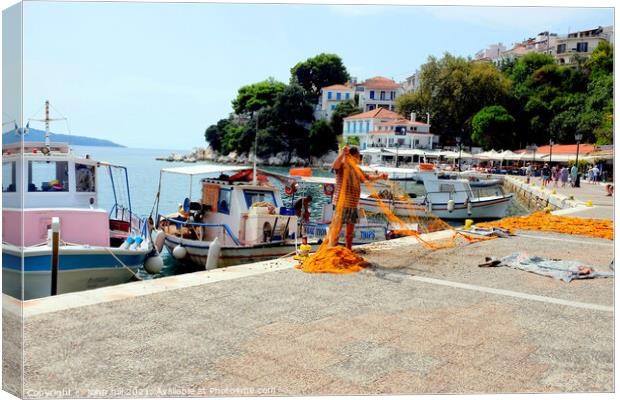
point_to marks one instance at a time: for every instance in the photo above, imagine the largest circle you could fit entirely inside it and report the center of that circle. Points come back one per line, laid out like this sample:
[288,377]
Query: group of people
[557,174]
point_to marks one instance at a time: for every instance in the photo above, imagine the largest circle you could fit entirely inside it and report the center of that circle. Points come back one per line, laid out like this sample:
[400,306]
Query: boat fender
[160,238]
[450,205]
[179,252]
[468,207]
[136,243]
[213,255]
[127,243]
[154,263]
[429,206]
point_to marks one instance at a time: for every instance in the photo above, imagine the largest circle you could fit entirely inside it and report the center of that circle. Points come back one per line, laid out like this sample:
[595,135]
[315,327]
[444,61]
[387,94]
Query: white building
[411,83]
[581,44]
[491,53]
[378,92]
[331,96]
[384,128]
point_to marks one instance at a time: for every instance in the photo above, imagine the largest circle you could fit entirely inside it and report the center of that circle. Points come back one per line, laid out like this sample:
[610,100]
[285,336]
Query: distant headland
[36,135]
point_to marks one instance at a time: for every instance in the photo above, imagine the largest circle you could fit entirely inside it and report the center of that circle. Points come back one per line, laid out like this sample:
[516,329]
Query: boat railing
[122,213]
[473,193]
[180,223]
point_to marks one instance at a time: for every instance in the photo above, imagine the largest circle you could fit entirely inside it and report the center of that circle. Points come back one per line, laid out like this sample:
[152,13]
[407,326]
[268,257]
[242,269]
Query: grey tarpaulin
[558,269]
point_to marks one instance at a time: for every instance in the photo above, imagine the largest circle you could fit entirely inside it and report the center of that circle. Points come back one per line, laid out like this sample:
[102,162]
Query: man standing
[350,215]
[573,175]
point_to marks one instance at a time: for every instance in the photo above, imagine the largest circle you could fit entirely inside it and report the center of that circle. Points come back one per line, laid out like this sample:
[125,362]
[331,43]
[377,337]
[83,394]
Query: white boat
[446,199]
[46,189]
[236,220]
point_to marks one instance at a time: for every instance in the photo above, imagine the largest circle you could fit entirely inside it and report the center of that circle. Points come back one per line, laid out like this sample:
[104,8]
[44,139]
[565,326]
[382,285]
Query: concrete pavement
[416,321]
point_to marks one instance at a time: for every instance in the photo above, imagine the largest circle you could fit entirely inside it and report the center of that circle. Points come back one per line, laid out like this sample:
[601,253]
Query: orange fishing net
[541,221]
[336,259]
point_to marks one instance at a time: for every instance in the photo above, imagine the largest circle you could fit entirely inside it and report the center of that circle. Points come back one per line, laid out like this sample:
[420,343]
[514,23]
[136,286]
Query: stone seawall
[536,198]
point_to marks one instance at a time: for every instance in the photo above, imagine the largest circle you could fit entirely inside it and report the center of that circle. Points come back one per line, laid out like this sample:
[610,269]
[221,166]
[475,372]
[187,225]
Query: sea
[143,174]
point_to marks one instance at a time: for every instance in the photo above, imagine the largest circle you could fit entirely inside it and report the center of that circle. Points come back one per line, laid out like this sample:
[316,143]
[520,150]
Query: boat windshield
[8,176]
[48,176]
[255,196]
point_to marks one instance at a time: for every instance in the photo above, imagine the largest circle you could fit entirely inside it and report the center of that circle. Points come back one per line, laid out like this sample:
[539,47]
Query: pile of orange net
[541,221]
[330,257]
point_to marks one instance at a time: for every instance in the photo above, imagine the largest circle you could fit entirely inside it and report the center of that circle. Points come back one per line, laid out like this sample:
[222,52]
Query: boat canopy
[319,180]
[204,169]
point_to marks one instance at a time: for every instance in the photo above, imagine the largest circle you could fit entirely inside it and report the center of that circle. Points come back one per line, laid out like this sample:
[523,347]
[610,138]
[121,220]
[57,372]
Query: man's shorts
[350,216]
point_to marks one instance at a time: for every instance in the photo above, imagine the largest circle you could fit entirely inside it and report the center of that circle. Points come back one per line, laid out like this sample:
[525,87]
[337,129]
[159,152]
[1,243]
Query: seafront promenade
[414,321]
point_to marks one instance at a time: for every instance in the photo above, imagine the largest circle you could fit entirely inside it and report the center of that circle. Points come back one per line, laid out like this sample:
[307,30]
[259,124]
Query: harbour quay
[414,321]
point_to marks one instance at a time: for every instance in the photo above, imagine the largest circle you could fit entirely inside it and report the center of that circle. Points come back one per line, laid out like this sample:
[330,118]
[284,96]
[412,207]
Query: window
[329,95]
[84,178]
[354,126]
[8,176]
[333,107]
[347,96]
[382,95]
[561,48]
[48,176]
[338,96]
[582,47]
[254,196]
[367,126]
[372,94]
[392,95]
[348,126]
[223,204]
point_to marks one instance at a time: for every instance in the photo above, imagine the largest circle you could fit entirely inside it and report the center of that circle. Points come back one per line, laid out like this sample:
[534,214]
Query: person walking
[595,174]
[564,176]
[545,173]
[573,175]
[528,172]
[555,174]
[350,215]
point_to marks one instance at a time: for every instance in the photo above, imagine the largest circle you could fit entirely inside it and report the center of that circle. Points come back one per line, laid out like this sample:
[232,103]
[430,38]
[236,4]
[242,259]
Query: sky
[153,75]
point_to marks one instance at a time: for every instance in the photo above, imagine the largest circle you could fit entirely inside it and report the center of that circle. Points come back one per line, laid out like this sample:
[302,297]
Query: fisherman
[302,208]
[350,214]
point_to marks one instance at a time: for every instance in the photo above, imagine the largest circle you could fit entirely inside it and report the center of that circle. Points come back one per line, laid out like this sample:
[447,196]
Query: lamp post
[550,150]
[578,138]
[458,142]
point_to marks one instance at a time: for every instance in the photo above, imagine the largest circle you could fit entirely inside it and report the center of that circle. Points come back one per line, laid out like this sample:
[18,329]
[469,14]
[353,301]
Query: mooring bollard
[55,245]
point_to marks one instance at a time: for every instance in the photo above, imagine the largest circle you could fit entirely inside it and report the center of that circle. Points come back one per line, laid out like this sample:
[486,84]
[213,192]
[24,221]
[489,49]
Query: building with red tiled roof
[331,96]
[384,128]
[378,92]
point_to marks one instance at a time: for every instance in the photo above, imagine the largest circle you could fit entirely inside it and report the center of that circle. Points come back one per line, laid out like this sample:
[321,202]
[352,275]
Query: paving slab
[415,321]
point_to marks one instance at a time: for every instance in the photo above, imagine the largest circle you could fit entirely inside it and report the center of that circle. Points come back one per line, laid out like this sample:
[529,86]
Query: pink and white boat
[45,183]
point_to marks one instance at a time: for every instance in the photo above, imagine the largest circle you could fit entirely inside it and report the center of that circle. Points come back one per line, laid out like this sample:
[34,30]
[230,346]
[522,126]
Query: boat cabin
[232,208]
[40,182]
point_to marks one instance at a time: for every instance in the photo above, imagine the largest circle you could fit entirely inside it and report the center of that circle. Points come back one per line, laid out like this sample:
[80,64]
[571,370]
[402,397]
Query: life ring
[328,189]
[290,190]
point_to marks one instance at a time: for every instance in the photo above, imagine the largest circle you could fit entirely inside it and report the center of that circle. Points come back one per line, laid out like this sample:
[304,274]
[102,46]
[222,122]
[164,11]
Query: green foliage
[453,90]
[253,97]
[322,138]
[319,71]
[493,127]
[342,111]
[214,134]
[353,141]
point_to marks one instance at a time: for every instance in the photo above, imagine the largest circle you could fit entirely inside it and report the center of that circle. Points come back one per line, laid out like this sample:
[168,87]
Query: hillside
[36,135]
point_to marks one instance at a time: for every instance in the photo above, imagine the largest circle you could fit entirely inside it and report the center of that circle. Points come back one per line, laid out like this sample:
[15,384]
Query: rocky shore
[278,160]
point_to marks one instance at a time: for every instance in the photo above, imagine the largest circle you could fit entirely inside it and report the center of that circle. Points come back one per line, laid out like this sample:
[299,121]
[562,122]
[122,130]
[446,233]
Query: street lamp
[458,142]
[550,150]
[578,138]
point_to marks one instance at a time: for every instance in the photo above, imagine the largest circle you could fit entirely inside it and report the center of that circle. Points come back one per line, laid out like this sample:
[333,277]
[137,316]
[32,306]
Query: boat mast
[47,124]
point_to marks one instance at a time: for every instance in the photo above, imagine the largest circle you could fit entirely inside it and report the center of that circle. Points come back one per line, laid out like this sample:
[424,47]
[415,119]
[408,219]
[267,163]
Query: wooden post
[55,245]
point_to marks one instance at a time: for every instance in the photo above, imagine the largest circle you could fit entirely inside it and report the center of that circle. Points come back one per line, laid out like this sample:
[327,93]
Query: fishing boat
[55,236]
[446,199]
[239,218]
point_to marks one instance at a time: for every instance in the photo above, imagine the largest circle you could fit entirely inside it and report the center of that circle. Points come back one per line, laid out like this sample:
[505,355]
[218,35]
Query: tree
[601,62]
[319,71]
[453,89]
[342,110]
[215,134]
[251,98]
[493,127]
[322,138]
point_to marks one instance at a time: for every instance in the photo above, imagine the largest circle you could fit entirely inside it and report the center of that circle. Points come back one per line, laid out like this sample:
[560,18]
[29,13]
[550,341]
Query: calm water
[143,175]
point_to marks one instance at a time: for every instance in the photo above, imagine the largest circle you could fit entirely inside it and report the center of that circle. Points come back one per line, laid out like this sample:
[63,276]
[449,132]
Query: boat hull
[198,251]
[79,268]
[483,208]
